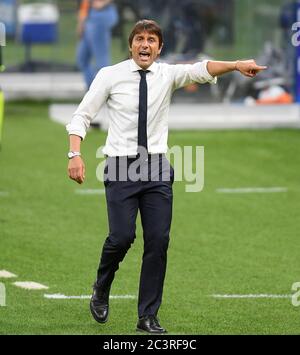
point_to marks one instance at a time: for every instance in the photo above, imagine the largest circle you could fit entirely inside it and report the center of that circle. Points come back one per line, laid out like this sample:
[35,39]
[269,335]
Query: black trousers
[153,197]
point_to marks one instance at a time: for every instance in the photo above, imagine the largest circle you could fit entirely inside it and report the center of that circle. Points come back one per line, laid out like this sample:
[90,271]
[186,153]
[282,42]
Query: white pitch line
[247,190]
[90,192]
[6,274]
[59,296]
[252,296]
[30,285]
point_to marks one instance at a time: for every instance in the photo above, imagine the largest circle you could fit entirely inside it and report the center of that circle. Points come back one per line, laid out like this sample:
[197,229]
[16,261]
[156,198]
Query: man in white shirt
[137,93]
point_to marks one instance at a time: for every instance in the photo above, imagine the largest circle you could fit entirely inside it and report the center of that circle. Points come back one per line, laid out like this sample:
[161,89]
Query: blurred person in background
[96,19]
[186,24]
[287,18]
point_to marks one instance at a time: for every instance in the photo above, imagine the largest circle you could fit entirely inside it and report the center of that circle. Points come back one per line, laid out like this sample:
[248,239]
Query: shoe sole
[96,318]
[145,331]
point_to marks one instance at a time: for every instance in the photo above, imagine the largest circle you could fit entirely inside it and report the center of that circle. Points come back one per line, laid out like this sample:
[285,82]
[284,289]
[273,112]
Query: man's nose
[145,44]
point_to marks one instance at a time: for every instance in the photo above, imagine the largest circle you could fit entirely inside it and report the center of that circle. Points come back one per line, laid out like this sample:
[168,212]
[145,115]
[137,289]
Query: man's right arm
[90,104]
[86,111]
[76,168]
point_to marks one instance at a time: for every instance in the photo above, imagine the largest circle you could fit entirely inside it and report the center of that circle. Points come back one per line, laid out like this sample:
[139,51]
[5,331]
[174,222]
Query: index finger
[261,67]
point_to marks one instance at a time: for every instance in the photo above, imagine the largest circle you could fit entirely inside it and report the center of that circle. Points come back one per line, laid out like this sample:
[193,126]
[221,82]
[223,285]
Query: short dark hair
[148,26]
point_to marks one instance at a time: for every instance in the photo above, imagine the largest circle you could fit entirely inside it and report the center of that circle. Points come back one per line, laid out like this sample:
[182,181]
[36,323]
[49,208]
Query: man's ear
[160,49]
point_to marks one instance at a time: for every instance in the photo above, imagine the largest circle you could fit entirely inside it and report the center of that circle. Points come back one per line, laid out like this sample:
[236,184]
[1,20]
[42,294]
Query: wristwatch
[73,154]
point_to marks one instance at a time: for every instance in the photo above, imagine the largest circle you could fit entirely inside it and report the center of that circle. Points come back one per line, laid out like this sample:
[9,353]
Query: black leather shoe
[150,324]
[99,304]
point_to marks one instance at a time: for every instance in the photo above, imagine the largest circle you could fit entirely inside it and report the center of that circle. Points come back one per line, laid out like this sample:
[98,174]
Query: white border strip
[90,191]
[252,296]
[248,190]
[6,274]
[30,285]
[59,296]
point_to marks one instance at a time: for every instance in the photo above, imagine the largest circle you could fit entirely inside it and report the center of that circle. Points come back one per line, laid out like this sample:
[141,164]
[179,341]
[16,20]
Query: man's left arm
[246,67]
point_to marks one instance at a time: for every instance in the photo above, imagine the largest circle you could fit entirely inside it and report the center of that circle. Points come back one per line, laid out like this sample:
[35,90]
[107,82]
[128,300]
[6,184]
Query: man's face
[145,49]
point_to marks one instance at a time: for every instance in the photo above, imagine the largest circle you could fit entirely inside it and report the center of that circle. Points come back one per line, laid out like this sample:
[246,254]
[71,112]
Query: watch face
[73,154]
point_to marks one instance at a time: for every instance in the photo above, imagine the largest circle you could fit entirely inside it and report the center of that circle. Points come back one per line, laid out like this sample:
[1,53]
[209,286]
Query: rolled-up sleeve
[185,74]
[90,105]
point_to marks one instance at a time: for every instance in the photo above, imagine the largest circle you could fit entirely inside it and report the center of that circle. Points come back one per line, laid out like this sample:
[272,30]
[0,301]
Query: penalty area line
[249,190]
[262,295]
[59,296]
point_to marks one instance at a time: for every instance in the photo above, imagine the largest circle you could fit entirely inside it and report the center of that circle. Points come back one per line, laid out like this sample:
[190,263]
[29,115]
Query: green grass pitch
[220,243]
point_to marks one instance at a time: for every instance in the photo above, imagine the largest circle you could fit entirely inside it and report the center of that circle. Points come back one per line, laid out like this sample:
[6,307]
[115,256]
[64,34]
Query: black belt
[136,157]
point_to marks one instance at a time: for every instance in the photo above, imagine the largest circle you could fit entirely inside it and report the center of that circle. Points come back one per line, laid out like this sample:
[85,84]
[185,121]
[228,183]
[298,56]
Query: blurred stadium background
[240,235]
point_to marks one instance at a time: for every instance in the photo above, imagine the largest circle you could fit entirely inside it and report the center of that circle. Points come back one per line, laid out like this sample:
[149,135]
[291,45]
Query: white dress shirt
[117,87]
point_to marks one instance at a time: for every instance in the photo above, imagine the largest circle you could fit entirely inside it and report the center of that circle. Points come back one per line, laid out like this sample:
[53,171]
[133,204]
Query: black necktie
[143,103]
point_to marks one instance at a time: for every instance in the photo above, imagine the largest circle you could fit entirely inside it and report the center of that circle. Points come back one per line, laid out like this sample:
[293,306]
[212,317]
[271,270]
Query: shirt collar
[134,67]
